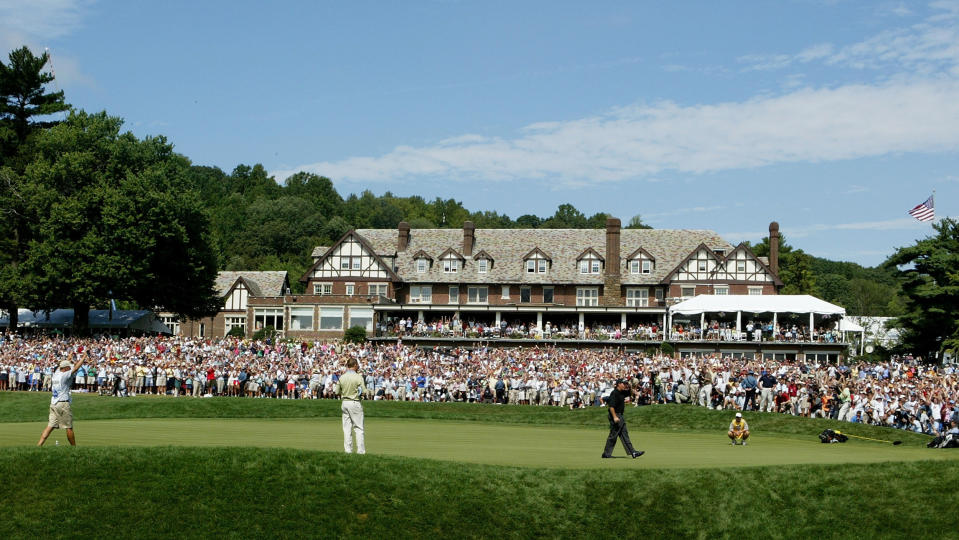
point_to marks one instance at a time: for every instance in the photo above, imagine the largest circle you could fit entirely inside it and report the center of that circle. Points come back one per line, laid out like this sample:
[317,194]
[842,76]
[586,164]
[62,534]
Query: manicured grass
[152,467]
[32,407]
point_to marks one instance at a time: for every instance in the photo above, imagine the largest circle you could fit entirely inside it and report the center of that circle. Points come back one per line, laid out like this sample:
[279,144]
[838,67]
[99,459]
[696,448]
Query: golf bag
[830,436]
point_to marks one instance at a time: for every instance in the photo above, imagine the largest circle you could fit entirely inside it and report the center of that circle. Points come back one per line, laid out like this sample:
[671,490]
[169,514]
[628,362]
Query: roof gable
[590,253]
[358,248]
[537,253]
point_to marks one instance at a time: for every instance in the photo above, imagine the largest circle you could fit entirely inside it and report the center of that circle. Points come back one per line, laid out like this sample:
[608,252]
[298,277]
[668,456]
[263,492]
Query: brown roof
[508,247]
[258,283]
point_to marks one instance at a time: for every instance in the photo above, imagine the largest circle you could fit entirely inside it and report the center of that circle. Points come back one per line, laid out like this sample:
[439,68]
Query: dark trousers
[750,398]
[618,431]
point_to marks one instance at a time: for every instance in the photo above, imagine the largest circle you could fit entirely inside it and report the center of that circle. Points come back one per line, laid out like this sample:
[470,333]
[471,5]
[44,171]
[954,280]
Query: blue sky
[833,118]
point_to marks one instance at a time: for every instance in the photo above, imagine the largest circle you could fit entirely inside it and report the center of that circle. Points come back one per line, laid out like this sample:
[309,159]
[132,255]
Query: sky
[832,117]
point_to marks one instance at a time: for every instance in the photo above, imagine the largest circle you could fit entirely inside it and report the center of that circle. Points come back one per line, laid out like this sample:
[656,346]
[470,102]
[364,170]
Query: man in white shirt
[61,415]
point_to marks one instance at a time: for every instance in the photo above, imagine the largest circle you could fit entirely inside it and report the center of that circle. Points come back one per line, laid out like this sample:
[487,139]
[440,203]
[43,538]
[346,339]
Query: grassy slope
[275,492]
[251,492]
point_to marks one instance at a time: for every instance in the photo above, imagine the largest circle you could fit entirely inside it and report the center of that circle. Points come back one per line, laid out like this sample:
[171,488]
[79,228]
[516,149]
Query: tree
[928,274]
[25,107]
[118,219]
[566,217]
[528,221]
[24,100]
[636,222]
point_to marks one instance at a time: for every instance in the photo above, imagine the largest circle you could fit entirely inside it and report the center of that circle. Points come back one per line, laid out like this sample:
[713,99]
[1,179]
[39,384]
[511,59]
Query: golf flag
[925,211]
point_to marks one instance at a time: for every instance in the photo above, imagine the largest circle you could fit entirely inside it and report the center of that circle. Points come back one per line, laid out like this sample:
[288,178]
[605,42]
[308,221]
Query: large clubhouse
[538,286]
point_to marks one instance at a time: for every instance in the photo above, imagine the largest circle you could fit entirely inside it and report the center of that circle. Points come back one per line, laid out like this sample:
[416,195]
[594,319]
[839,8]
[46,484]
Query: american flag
[925,211]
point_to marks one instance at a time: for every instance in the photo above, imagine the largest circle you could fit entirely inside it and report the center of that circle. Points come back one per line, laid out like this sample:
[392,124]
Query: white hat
[739,415]
[65,363]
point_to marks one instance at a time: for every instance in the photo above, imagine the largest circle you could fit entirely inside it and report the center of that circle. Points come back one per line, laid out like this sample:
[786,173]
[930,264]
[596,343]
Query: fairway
[477,442]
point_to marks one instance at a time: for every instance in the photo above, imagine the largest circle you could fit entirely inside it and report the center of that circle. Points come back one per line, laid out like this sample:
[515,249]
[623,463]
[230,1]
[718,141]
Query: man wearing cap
[616,404]
[61,415]
[351,387]
[738,430]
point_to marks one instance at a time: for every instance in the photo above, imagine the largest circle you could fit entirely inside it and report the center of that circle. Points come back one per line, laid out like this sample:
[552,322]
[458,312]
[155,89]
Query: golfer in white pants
[351,388]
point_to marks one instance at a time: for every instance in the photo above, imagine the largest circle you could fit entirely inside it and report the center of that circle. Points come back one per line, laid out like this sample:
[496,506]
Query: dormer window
[482,266]
[421,266]
[641,262]
[590,262]
[537,262]
[422,261]
[452,261]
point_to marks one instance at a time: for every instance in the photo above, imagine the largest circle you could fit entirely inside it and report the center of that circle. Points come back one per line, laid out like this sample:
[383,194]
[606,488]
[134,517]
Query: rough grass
[244,492]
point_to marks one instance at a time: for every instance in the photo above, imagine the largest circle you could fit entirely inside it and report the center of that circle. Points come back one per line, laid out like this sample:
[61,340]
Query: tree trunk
[81,319]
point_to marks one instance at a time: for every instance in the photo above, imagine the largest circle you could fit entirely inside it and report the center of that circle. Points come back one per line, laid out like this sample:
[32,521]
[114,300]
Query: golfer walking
[351,388]
[61,415]
[616,404]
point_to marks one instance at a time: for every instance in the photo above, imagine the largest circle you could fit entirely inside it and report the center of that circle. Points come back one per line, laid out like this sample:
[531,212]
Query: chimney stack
[774,247]
[612,246]
[469,233]
[403,238]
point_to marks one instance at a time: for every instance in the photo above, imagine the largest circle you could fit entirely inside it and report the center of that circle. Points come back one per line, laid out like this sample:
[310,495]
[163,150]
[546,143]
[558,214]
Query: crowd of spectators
[453,327]
[902,392]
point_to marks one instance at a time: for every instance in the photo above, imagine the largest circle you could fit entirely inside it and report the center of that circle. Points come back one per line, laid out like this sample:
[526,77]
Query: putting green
[475,442]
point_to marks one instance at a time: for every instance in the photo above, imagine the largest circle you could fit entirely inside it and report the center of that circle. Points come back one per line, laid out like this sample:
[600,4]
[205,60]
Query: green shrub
[666,348]
[355,334]
[267,332]
[236,331]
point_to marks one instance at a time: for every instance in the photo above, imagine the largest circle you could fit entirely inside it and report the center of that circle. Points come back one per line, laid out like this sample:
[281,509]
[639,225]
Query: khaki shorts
[61,415]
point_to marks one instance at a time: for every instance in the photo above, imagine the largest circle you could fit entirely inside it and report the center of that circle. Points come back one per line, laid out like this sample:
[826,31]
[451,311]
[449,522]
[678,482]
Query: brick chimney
[469,234]
[403,238]
[774,247]
[612,280]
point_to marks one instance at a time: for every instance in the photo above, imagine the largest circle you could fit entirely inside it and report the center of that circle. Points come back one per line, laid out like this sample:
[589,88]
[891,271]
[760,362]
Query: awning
[731,303]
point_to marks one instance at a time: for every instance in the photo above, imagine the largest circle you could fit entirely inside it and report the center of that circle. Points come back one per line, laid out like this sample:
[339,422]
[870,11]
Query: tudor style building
[570,277]
[534,276]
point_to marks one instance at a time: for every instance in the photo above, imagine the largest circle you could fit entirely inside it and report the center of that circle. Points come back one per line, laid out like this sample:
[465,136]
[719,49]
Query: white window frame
[454,294]
[357,312]
[660,294]
[269,314]
[482,266]
[322,289]
[687,288]
[451,266]
[328,311]
[587,296]
[378,289]
[721,290]
[350,289]
[421,266]
[702,266]
[530,266]
[296,316]
[357,263]
[233,321]
[634,266]
[637,297]
[740,265]
[344,263]
[647,266]
[477,295]
[755,291]
[504,292]
[421,294]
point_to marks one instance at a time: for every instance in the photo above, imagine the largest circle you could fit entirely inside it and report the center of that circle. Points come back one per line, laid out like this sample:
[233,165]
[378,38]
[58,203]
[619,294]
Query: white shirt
[62,381]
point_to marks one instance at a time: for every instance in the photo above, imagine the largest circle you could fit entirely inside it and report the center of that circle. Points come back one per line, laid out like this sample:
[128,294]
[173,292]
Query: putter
[894,443]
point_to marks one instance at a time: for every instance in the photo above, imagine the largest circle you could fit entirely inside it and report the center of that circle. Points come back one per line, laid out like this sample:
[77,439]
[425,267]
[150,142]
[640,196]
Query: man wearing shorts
[61,415]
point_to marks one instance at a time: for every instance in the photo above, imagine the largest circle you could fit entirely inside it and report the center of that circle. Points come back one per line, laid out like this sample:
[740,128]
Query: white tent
[779,303]
[739,304]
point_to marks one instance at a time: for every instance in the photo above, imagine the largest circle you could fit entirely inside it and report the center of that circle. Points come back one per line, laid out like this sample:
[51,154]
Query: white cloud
[642,141]
[36,23]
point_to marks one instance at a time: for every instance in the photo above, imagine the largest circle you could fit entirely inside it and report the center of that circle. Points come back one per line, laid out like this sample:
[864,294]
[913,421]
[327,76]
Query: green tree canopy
[118,219]
[25,104]
[929,274]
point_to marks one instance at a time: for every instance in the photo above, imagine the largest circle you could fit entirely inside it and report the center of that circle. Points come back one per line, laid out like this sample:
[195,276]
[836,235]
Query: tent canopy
[846,325]
[142,320]
[781,303]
